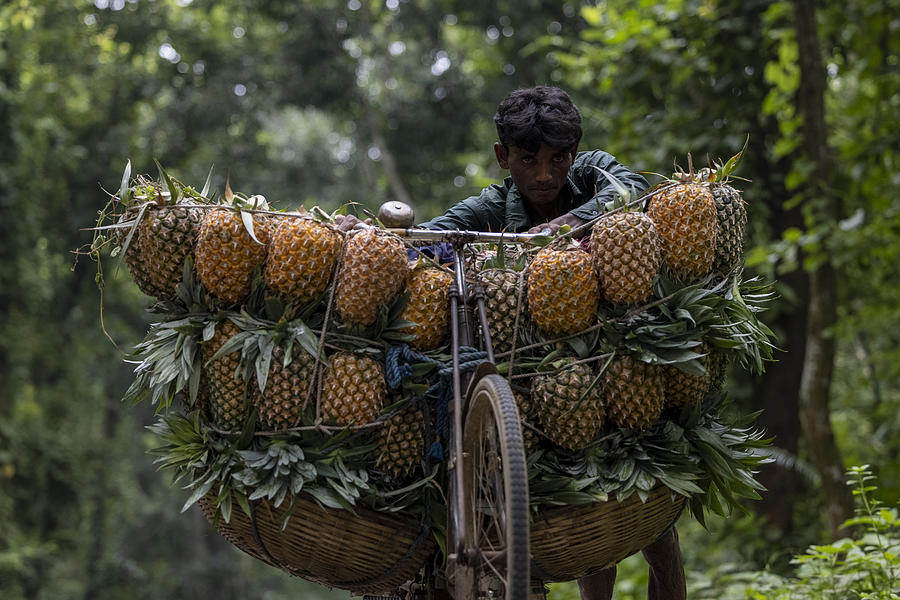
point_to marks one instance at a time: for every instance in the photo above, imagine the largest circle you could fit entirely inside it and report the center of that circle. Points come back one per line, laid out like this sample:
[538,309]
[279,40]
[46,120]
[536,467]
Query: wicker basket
[568,542]
[365,551]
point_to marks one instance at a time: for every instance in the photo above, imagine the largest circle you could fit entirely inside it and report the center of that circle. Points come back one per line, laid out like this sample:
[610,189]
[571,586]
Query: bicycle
[488,550]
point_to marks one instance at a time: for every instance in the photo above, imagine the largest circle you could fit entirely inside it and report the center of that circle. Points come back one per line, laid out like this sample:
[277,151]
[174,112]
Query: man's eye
[559,158]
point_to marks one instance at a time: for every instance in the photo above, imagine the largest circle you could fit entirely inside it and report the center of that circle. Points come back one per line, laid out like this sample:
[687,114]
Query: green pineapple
[288,390]
[401,440]
[634,392]
[227,391]
[570,405]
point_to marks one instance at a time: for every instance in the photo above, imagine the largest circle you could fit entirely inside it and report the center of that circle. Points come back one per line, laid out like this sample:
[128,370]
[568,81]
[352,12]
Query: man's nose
[544,172]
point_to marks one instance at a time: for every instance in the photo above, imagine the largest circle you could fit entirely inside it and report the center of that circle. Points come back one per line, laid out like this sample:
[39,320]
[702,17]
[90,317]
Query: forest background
[327,102]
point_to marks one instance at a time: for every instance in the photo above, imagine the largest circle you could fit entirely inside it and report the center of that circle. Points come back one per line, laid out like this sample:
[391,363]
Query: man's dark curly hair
[530,117]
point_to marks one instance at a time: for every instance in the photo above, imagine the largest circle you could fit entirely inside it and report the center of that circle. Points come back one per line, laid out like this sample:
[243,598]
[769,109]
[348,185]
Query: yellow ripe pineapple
[625,255]
[301,258]
[226,392]
[372,273]
[401,440]
[685,216]
[353,389]
[563,291]
[226,256]
[569,405]
[428,306]
[288,389]
[634,392]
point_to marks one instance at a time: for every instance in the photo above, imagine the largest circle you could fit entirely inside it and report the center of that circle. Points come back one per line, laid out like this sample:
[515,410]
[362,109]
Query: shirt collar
[517,218]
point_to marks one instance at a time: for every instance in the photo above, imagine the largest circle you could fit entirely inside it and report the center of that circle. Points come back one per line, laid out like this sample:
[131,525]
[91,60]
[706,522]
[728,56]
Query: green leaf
[125,189]
[208,185]
[170,184]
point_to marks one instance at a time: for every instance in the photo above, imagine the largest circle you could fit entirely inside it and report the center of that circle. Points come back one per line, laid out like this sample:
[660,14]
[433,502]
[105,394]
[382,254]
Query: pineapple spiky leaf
[732,164]
[208,185]
[125,188]
[173,189]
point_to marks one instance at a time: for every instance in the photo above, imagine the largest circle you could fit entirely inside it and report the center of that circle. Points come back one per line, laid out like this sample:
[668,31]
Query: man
[551,184]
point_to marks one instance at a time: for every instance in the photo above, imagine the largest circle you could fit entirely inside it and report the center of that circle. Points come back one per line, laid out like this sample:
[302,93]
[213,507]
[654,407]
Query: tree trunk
[818,360]
[387,158]
[777,395]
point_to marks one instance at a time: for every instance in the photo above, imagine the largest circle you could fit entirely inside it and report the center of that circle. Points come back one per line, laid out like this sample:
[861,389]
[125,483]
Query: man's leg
[666,568]
[598,586]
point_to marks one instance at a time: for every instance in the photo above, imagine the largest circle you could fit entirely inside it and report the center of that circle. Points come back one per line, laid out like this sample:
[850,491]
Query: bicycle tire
[496,483]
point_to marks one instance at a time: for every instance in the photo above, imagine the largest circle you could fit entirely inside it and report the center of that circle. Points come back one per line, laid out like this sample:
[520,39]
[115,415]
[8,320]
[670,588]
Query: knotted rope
[398,366]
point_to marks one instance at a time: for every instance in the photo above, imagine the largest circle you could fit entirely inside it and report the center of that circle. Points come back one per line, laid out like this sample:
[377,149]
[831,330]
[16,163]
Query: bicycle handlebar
[465,236]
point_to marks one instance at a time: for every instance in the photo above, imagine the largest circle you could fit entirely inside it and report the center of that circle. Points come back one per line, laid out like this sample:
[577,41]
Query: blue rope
[398,367]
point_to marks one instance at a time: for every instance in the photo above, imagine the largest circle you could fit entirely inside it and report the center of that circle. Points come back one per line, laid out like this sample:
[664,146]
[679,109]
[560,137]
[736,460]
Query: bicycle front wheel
[496,488]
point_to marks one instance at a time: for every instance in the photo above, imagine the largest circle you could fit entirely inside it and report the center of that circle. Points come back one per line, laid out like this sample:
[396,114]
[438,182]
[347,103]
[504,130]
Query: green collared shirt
[502,208]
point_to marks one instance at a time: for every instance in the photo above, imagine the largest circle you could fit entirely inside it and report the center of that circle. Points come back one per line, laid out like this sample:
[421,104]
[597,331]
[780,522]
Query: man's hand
[554,225]
[347,222]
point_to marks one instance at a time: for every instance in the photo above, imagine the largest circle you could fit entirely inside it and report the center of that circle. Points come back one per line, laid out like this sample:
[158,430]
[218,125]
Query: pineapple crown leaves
[711,462]
[256,341]
[626,197]
[501,259]
[168,362]
[246,206]
[668,330]
[275,470]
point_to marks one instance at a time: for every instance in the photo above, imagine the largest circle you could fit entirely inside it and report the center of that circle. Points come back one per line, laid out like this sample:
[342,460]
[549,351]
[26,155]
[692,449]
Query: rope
[398,366]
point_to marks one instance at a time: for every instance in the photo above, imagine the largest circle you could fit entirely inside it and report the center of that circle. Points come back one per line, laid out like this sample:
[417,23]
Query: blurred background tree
[329,102]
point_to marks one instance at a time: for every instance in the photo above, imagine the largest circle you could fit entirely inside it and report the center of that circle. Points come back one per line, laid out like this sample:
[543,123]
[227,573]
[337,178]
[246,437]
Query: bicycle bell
[396,214]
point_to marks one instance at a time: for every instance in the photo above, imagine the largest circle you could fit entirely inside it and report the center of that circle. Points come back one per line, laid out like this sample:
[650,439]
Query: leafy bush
[865,566]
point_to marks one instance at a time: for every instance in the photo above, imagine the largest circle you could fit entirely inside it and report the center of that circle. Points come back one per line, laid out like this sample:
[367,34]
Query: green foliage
[704,455]
[288,99]
[864,566]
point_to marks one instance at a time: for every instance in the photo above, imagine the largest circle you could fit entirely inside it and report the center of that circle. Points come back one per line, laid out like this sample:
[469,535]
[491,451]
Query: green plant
[864,566]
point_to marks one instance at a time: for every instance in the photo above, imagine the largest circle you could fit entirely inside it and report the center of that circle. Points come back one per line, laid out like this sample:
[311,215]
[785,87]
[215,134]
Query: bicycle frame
[463,316]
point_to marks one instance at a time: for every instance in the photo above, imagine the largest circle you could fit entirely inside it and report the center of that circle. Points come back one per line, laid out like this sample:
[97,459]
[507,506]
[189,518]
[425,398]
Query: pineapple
[226,392]
[134,254]
[161,241]
[718,364]
[731,213]
[634,392]
[563,291]
[527,414]
[501,299]
[428,306]
[685,216]
[686,389]
[167,235]
[302,255]
[226,256]
[570,405]
[625,255]
[401,440]
[371,275]
[354,389]
[288,389]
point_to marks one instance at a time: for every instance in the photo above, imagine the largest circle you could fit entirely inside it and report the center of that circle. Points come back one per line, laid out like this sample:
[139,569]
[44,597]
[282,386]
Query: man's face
[540,175]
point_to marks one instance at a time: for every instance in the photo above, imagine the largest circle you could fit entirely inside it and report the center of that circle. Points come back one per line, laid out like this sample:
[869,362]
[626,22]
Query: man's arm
[589,177]
[484,212]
